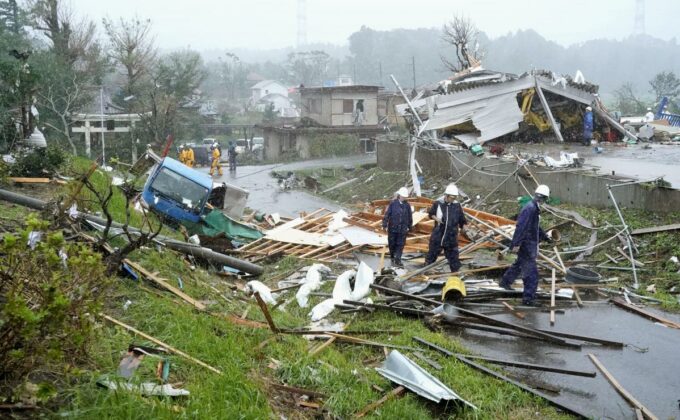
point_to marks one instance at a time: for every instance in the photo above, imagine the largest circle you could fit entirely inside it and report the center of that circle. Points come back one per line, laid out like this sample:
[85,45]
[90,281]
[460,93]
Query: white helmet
[649,109]
[589,108]
[403,192]
[451,190]
[543,190]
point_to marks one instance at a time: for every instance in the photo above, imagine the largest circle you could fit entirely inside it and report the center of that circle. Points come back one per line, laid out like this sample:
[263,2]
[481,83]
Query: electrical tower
[302,24]
[639,28]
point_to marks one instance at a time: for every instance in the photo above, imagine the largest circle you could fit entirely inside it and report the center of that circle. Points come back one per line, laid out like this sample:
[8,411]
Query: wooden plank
[265,311]
[522,386]
[24,180]
[523,365]
[612,259]
[513,310]
[559,258]
[621,390]
[579,302]
[655,229]
[148,275]
[649,315]
[372,406]
[626,256]
[493,321]
[160,343]
[552,299]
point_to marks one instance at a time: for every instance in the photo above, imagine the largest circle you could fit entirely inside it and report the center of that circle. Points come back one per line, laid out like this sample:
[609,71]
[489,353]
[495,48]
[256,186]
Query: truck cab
[183,194]
[177,191]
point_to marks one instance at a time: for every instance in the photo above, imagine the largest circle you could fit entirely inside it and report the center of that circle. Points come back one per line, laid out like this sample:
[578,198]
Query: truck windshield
[177,188]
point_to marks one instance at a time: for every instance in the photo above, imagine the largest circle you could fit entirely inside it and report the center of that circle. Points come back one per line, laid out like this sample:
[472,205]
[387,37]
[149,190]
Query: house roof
[349,88]
[264,83]
[272,96]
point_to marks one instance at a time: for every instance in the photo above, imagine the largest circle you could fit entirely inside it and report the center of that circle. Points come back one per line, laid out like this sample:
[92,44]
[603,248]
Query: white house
[267,87]
[283,106]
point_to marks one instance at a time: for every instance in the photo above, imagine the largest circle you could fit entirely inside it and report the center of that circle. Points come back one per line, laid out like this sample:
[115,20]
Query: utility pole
[413,65]
[101,121]
[302,24]
[639,28]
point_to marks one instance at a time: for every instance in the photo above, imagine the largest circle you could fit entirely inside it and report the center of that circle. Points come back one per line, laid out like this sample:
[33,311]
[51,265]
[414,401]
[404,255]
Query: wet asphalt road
[648,367]
[643,161]
[265,194]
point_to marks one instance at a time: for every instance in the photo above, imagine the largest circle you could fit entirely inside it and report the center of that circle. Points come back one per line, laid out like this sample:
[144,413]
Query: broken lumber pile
[326,236]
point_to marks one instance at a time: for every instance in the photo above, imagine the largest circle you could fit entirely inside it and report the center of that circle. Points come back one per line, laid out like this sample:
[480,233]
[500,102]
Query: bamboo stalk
[160,343]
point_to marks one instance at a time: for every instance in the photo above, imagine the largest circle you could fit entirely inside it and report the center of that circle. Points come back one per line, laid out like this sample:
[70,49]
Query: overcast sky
[266,24]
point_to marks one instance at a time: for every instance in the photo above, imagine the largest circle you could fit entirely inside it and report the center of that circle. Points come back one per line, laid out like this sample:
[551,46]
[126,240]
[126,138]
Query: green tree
[172,83]
[665,83]
[132,50]
[12,17]
[71,66]
[627,101]
[307,67]
[233,73]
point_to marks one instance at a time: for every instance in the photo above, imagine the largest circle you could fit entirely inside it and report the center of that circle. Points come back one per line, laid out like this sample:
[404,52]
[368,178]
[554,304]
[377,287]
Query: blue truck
[185,196]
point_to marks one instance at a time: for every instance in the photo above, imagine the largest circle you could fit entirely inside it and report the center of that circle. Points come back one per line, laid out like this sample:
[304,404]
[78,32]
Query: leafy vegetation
[51,290]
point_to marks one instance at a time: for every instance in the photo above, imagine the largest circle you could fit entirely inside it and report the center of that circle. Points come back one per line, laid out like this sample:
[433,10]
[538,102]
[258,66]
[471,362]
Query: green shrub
[327,145]
[47,304]
[39,162]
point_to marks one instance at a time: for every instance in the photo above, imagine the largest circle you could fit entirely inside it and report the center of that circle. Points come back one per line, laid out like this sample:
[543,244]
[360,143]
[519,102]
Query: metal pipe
[173,244]
[636,285]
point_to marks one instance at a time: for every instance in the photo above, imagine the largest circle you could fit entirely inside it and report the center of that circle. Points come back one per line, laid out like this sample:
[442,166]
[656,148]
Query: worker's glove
[437,219]
[385,228]
[514,249]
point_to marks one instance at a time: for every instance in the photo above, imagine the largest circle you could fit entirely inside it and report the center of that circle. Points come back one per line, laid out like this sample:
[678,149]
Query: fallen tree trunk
[173,244]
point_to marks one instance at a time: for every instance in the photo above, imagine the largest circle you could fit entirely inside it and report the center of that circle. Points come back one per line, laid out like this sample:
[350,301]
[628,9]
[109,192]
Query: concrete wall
[572,187]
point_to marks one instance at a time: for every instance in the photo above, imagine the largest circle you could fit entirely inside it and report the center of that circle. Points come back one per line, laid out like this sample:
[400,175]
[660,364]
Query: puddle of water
[653,376]
[635,161]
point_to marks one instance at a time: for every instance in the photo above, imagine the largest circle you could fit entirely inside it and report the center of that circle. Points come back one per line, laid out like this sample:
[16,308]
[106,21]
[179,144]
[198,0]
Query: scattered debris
[401,370]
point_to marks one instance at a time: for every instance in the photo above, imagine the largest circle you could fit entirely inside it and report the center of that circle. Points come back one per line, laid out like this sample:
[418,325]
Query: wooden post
[265,311]
[559,258]
[160,343]
[552,299]
[513,310]
[394,393]
[621,390]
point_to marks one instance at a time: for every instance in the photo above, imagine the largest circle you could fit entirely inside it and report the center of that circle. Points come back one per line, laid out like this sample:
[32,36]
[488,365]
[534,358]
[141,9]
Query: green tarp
[217,222]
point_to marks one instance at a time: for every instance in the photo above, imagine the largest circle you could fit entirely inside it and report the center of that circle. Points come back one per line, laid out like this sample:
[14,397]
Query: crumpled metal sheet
[403,371]
[493,117]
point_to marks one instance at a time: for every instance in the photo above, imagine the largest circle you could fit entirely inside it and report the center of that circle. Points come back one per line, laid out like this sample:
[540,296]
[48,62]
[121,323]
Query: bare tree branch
[462,34]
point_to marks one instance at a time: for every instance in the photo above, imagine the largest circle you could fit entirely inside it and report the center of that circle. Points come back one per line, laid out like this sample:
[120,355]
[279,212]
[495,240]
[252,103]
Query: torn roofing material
[403,371]
[489,100]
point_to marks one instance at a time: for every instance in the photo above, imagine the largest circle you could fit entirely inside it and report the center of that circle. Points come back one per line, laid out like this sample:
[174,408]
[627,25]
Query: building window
[347,106]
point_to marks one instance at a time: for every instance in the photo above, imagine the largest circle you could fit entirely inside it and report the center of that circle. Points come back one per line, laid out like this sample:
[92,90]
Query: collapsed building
[484,105]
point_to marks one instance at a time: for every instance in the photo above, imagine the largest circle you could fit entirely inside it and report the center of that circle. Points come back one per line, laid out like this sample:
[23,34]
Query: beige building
[341,106]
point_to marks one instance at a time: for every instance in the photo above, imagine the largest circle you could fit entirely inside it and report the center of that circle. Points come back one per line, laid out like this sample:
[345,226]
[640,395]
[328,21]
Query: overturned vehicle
[183,196]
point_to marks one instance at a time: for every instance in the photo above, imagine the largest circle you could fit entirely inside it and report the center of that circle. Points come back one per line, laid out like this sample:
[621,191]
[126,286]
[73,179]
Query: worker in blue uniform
[397,222]
[525,244]
[588,126]
[449,218]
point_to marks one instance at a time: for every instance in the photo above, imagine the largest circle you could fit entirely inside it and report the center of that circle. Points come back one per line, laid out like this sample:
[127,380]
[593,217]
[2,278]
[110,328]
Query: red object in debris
[497,149]
[168,143]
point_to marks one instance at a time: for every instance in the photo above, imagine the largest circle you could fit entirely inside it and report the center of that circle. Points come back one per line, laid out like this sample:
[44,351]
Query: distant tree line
[374,55]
